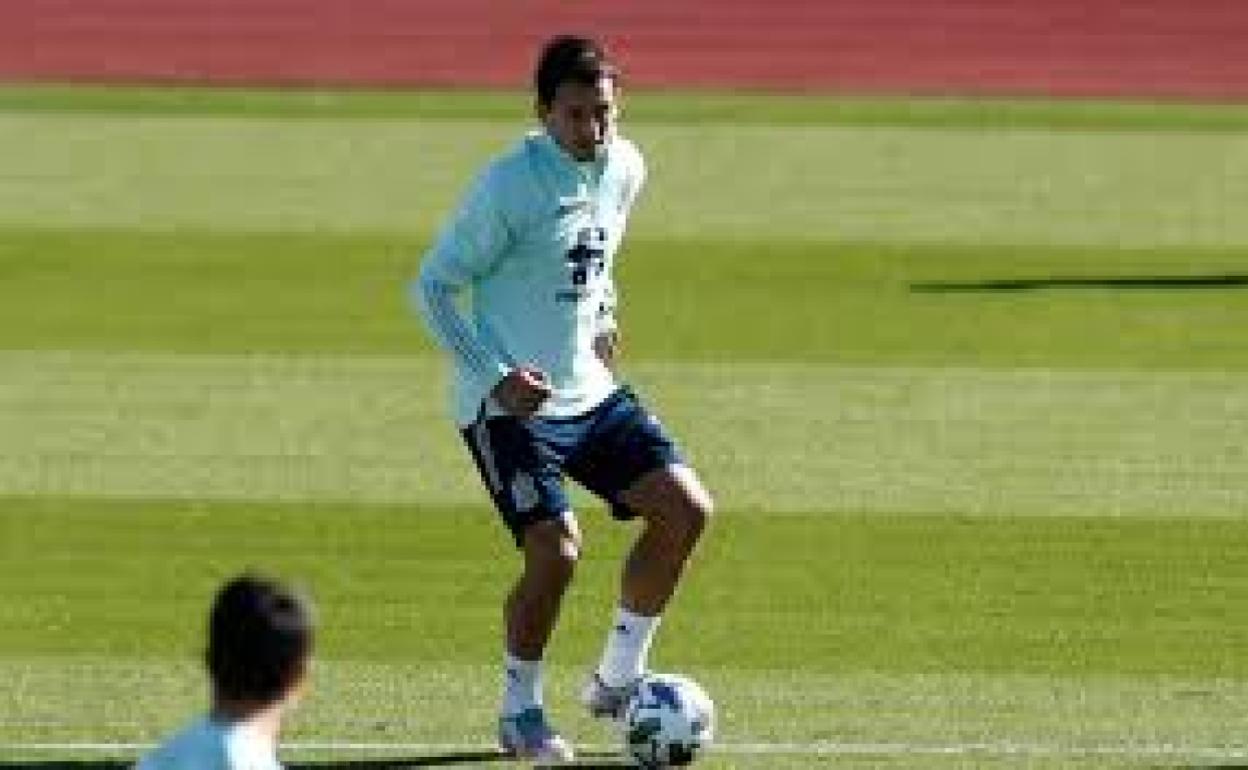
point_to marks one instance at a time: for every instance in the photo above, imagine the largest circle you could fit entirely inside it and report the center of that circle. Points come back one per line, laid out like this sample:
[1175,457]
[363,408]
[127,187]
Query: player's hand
[522,391]
[606,346]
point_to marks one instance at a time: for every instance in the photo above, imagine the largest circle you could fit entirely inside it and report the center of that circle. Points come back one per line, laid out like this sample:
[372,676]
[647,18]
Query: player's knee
[697,505]
[555,564]
[685,521]
[553,549]
[569,552]
[699,511]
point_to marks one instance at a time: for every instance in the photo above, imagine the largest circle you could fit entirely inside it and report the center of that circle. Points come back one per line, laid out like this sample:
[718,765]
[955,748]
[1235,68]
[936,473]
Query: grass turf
[412,584]
[966,376]
[680,107]
[1023,631]
[871,304]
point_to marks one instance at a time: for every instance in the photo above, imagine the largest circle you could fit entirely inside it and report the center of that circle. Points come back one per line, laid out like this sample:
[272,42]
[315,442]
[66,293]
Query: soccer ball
[668,722]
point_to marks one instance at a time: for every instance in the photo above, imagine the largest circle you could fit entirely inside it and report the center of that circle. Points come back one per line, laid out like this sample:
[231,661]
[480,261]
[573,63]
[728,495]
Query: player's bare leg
[551,549]
[675,509]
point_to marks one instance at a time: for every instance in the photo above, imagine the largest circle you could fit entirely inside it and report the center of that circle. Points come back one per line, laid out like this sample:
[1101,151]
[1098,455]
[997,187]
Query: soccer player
[532,247]
[259,647]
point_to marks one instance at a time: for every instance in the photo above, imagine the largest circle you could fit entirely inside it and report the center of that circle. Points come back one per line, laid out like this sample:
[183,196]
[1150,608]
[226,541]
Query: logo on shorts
[524,492]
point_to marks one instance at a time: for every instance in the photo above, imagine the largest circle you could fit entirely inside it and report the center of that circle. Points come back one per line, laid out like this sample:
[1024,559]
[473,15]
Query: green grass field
[969,380]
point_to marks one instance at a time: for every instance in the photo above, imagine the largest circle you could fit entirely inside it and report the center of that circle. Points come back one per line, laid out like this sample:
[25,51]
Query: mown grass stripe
[689,107]
[823,748]
[397,706]
[769,437]
[760,181]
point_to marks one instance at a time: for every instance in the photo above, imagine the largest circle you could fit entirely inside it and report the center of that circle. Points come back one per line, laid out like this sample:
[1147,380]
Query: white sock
[522,684]
[628,648]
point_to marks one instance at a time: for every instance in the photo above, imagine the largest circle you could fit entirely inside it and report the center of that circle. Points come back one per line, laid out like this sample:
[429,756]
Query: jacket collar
[551,149]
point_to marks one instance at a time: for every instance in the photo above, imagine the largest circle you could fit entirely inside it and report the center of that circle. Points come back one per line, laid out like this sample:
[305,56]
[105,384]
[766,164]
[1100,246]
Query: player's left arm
[608,338]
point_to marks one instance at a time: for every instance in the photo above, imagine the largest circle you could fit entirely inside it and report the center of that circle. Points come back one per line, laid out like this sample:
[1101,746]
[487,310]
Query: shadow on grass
[1152,282]
[86,764]
[433,760]
[440,760]
[589,760]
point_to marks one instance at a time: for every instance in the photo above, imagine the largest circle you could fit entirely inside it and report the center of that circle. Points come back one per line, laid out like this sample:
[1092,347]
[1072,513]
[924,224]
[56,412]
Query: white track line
[822,748]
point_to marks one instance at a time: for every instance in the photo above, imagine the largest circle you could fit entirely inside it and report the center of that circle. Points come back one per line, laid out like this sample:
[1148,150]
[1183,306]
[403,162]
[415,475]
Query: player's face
[581,117]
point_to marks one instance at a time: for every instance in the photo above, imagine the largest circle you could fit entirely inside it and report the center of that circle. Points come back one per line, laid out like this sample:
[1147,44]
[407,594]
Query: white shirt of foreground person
[207,744]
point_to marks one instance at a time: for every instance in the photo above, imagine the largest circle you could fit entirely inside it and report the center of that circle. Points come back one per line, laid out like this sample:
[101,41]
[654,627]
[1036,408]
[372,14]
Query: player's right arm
[468,248]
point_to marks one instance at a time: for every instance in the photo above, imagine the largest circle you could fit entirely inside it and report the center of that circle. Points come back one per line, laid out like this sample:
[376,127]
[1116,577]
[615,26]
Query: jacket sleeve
[469,247]
[608,315]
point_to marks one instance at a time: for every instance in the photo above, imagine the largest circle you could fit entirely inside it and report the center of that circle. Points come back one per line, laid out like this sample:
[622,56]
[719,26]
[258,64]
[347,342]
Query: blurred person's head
[260,636]
[576,95]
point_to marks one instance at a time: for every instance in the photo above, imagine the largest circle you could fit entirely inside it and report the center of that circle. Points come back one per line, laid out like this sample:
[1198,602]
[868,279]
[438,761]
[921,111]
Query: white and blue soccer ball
[669,721]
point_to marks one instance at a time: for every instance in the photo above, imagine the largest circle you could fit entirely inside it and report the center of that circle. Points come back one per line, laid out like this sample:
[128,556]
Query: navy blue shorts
[523,461]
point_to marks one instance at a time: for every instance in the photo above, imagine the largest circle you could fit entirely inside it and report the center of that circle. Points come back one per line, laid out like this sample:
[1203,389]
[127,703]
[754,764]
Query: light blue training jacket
[522,273]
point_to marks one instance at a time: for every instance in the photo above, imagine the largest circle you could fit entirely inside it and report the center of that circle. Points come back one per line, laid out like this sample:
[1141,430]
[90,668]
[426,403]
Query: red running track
[1183,49]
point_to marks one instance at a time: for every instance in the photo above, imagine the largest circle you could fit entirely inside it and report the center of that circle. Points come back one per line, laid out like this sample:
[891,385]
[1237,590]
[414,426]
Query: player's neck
[264,718]
[568,155]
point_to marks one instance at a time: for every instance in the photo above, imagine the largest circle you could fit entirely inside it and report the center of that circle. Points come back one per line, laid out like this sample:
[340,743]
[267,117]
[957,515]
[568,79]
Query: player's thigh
[672,497]
[628,449]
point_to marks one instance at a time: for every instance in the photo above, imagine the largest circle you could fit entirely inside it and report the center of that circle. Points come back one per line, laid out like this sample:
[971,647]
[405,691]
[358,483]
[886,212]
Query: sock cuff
[635,621]
[511,661]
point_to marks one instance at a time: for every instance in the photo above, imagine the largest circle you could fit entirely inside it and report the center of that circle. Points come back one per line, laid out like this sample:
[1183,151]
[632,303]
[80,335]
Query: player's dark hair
[259,639]
[570,59]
